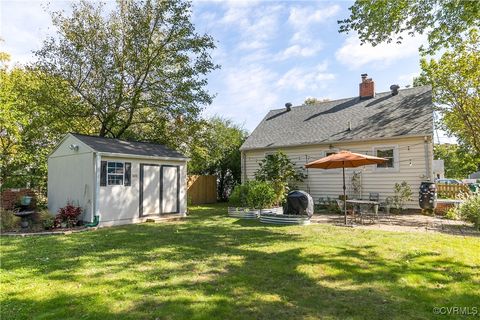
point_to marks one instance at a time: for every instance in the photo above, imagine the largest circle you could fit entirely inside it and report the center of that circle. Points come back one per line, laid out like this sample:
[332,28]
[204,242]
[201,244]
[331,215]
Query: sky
[270,53]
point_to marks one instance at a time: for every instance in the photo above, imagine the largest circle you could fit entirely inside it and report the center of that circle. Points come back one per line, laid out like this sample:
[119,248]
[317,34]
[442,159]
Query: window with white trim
[115,173]
[389,153]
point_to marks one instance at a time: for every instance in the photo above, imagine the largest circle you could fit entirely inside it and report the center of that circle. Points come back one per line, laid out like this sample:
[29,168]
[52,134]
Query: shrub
[470,210]
[9,221]
[68,214]
[238,197]
[261,194]
[281,172]
[402,194]
[452,214]
[254,194]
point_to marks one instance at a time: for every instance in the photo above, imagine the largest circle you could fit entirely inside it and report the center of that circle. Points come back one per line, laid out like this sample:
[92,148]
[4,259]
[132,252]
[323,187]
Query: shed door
[151,189]
[170,189]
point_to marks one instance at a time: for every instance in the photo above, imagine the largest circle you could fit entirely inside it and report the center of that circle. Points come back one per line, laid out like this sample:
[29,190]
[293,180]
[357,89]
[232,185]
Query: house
[397,125]
[119,181]
[439,169]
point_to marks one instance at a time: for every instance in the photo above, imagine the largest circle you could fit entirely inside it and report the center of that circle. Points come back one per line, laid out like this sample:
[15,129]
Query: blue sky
[270,52]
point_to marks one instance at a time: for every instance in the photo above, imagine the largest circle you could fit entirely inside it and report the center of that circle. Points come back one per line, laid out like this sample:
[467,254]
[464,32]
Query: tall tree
[446,22]
[32,120]
[216,151]
[139,68]
[459,161]
[455,81]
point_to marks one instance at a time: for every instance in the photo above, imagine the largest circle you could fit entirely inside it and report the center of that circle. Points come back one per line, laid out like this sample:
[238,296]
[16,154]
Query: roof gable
[124,147]
[408,113]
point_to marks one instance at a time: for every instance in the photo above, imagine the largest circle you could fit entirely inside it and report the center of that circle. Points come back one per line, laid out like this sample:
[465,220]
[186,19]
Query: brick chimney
[367,87]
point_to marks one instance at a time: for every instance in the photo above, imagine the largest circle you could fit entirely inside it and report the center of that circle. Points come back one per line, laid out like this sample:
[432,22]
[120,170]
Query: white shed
[119,181]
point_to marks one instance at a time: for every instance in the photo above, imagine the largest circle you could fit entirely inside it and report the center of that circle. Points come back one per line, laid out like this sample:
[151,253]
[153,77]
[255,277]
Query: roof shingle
[406,114]
[110,145]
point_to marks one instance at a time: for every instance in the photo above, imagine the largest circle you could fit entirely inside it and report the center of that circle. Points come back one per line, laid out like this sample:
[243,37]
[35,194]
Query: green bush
[402,194]
[238,197]
[261,195]
[470,210]
[254,194]
[9,221]
[452,214]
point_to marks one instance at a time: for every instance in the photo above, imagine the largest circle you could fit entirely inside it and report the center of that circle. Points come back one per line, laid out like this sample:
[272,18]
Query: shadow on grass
[214,267]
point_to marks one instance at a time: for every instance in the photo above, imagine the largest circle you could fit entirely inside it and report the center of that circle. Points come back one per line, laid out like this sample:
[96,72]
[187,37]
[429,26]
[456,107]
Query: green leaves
[459,161]
[455,81]
[446,22]
[280,171]
[137,68]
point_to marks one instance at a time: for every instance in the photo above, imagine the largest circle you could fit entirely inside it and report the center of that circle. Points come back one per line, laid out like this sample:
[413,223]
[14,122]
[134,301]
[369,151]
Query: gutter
[332,142]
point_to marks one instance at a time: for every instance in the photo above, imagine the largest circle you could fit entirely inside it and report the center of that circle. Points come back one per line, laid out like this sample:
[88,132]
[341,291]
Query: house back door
[170,189]
[150,196]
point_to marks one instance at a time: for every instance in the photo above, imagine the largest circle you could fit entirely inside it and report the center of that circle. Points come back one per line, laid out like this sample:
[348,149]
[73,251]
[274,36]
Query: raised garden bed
[284,219]
[275,210]
[243,213]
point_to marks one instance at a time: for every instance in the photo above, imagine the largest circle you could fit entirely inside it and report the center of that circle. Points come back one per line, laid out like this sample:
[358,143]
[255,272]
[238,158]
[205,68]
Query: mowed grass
[210,266]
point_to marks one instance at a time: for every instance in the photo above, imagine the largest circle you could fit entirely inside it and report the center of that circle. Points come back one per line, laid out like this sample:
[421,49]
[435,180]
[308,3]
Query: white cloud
[355,55]
[302,17]
[407,79]
[297,50]
[303,79]
[304,20]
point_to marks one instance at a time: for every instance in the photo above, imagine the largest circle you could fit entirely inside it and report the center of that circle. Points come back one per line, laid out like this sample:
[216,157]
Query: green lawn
[210,266]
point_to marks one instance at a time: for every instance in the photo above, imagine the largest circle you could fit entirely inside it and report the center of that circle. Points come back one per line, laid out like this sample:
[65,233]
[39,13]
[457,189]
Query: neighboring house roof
[409,113]
[475,175]
[118,146]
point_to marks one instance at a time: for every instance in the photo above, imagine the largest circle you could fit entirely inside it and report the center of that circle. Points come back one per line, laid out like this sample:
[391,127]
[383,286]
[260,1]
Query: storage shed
[119,181]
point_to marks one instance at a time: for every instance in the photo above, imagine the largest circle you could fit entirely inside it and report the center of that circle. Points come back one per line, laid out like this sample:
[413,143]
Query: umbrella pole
[344,195]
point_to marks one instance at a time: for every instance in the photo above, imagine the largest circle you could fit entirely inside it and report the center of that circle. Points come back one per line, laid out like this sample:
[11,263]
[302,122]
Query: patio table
[358,205]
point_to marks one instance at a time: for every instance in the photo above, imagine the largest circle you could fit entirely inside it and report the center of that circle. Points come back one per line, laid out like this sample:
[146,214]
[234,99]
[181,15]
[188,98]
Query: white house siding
[70,177]
[120,204]
[322,183]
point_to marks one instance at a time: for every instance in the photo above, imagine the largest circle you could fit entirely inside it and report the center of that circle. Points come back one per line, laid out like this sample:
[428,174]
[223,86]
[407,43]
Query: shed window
[115,173]
[387,153]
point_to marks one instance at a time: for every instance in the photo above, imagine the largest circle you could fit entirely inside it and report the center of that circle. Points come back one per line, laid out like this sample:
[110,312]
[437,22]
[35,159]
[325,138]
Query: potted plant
[238,206]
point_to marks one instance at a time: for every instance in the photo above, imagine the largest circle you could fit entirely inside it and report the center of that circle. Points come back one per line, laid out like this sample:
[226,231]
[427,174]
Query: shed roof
[118,146]
[409,113]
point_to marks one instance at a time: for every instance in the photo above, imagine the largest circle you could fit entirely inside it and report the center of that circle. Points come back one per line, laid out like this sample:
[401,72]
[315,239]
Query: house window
[388,153]
[115,173]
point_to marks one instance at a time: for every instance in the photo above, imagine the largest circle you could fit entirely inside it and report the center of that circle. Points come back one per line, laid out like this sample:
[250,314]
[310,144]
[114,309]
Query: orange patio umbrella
[344,159]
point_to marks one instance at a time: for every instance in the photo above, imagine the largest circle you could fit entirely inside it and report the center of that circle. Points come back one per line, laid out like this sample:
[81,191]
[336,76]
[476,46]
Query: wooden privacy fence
[452,191]
[201,189]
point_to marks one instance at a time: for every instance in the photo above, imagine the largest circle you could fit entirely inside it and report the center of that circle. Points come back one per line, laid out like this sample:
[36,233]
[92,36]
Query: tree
[139,69]
[280,171]
[31,123]
[459,161]
[216,150]
[455,81]
[446,22]
[311,101]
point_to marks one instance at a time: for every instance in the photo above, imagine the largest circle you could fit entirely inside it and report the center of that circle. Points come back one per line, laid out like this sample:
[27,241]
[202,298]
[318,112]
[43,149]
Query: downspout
[244,167]
[427,159]
[96,189]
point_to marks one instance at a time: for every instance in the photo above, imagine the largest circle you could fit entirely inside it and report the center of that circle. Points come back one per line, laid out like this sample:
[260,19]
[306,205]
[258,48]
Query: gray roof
[409,113]
[110,145]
